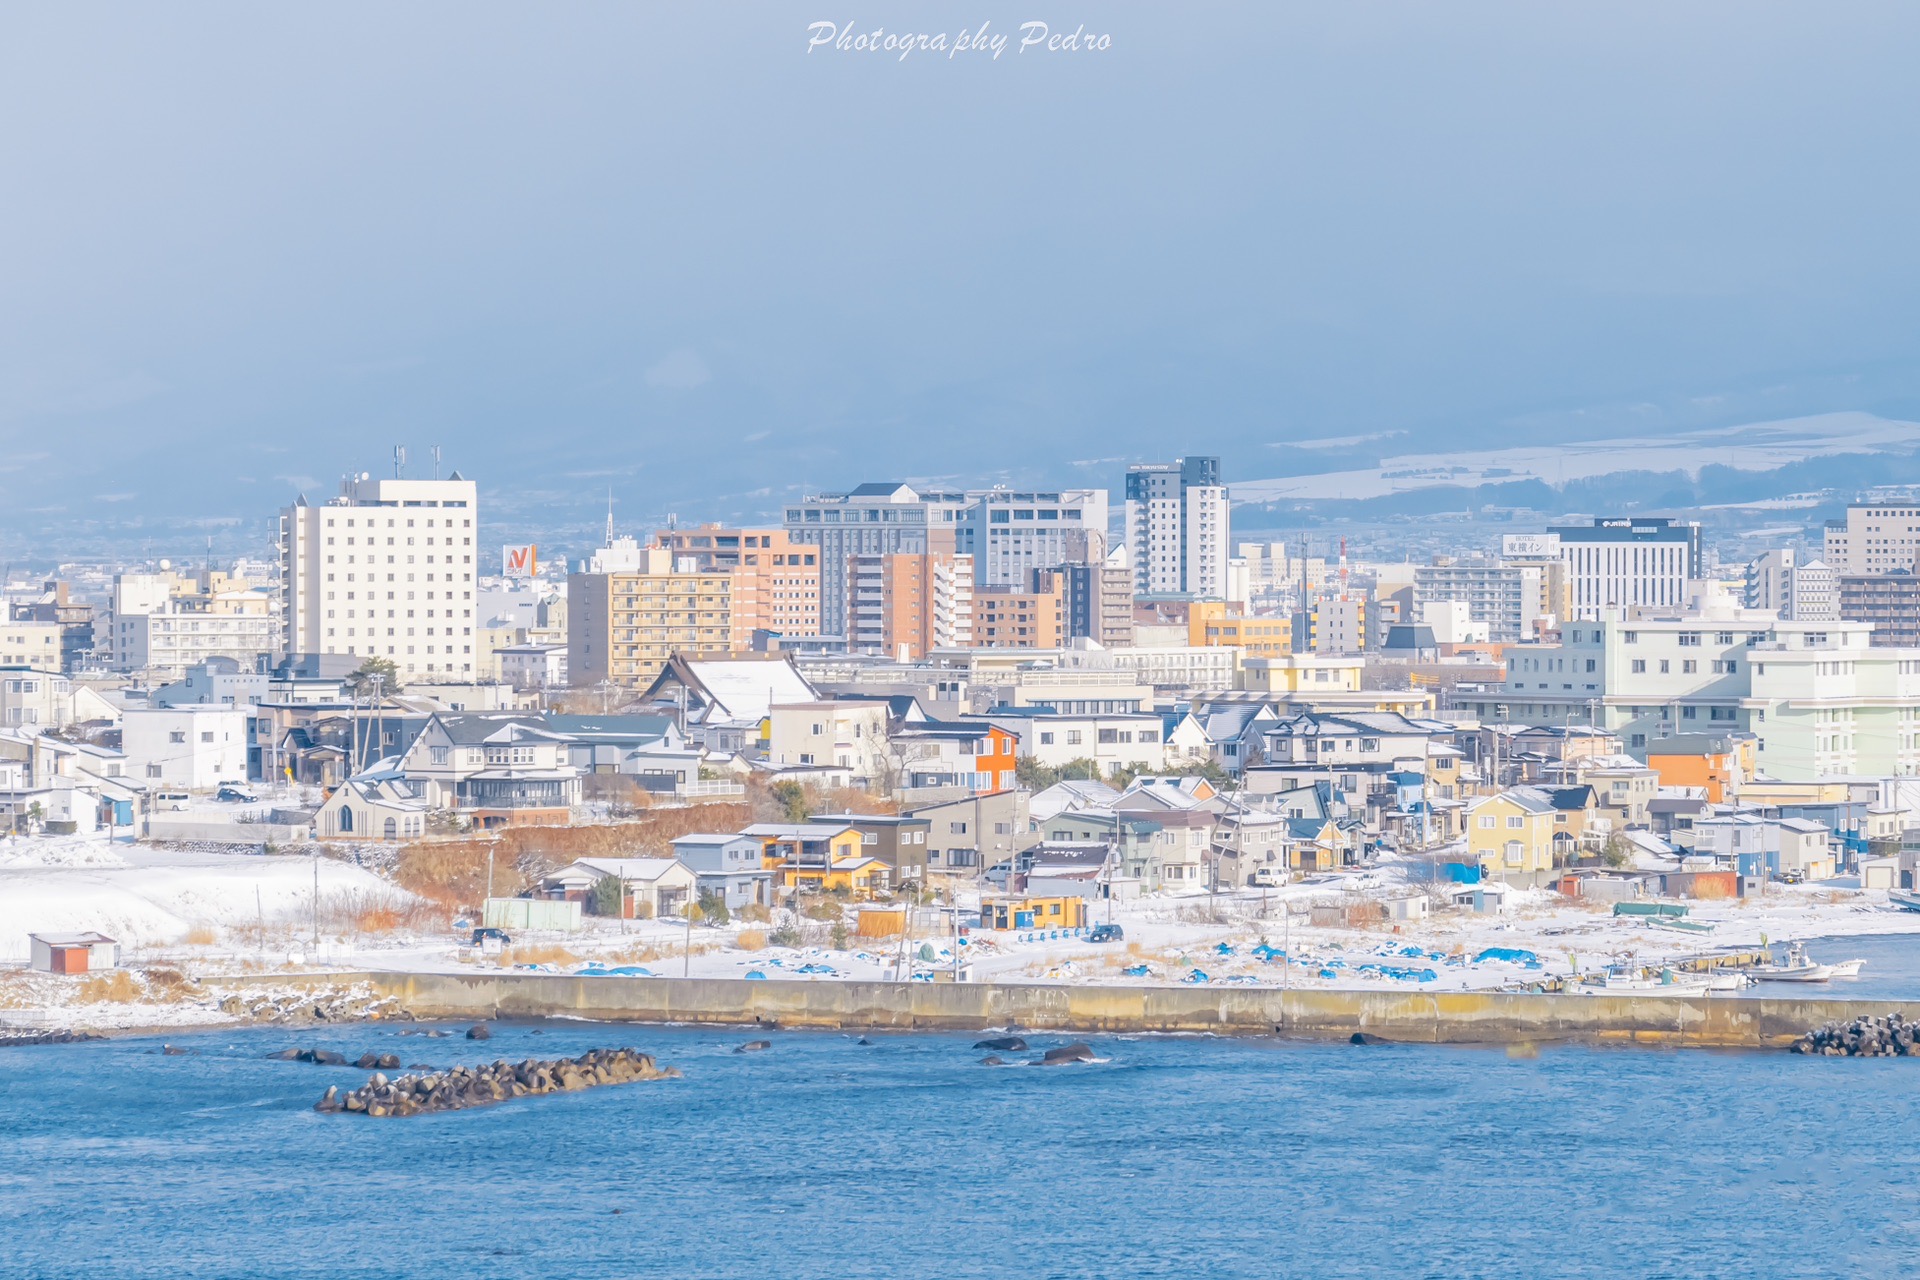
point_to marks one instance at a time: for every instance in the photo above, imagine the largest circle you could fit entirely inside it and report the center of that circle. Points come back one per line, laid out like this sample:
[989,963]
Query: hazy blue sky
[245,247]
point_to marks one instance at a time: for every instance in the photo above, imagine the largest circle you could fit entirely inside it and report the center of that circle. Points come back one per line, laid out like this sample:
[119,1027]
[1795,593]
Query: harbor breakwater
[1459,1017]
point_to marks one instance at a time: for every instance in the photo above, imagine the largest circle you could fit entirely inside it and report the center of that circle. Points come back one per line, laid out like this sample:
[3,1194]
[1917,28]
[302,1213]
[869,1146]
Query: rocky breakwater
[1889,1037]
[303,1006]
[458,1088]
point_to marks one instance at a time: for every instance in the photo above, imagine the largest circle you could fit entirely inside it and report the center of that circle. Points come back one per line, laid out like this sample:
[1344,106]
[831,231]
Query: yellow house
[855,877]
[1511,834]
[818,844]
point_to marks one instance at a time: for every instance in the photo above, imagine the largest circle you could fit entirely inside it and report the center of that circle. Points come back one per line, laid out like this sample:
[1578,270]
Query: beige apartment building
[630,612]
[776,581]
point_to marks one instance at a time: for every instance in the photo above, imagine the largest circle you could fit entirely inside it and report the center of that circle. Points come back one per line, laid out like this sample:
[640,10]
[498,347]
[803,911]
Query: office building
[872,520]
[1503,598]
[1011,533]
[1177,528]
[384,570]
[1621,567]
[1874,537]
[1889,601]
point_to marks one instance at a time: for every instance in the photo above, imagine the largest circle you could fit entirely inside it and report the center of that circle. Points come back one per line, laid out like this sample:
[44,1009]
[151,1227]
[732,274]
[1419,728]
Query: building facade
[907,604]
[1874,537]
[387,569]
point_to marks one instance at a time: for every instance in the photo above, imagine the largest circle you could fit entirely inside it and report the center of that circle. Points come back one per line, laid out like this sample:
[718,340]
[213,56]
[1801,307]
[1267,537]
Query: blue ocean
[905,1157]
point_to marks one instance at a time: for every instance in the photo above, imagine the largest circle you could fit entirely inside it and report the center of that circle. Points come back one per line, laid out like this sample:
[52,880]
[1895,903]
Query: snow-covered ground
[203,915]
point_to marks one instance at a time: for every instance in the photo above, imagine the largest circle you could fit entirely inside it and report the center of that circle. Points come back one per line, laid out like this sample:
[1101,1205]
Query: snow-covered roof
[629,869]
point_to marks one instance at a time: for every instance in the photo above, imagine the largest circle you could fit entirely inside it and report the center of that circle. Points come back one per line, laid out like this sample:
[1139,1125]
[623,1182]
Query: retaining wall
[1435,1018]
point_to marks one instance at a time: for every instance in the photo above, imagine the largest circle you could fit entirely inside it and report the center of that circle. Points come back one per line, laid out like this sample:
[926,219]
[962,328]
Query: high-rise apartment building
[74,617]
[776,582]
[386,569]
[1177,528]
[907,604]
[1875,537]
[1505,598]
[1621,566]
[1100,601]
[871,520]
[631,609]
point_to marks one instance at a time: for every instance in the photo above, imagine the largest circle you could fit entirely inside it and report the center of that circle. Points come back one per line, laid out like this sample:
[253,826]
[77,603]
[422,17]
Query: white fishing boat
[1847,968]
[1795,968]
[1728,980]
[1904,899]
[1667,982]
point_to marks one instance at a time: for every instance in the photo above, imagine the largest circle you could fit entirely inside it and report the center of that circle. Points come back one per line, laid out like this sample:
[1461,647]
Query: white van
[175,800]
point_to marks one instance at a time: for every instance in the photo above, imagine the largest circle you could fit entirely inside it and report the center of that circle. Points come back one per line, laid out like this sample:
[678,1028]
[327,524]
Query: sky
[681,253]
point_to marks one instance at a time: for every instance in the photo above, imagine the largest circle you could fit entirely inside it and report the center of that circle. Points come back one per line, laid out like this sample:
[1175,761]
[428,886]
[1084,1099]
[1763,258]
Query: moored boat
[1904,899]
[1797,967]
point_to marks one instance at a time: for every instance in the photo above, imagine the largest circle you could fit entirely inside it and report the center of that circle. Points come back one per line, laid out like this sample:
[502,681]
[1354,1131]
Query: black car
[234,795]
[1107,933]
[498,935]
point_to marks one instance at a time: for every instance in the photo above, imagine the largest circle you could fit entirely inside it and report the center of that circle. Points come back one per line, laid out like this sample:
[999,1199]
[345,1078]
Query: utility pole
[316,902]
[686,955]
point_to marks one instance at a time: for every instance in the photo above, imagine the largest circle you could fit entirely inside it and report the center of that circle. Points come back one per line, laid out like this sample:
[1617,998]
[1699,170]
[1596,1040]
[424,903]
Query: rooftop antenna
[609,515]
[436,462]
[399,460]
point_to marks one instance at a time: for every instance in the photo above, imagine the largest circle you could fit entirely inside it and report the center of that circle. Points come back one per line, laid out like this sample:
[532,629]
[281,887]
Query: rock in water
[754,1046]
[1367,1037]
[479,1031]
[993,1060]
[1067,1053]
[1004,1044]
[461,1087]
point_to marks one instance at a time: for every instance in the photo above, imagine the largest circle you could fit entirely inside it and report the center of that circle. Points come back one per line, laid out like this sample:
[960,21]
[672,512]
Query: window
[439,755]
[1486,822]
[1689,666]
[1515,822]
[1689,639]
[957,828]
[1046,737]
[153,771]
[177,735]
[1630,637]
[206,735]
[1639,666]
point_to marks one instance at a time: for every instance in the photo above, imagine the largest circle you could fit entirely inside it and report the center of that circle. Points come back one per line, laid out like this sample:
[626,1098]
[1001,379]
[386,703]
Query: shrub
[755,913]
[201,935]
[643,911]
[839,935]
[787,935]
[821,911]
[713,909]
[605,898]
[751,940]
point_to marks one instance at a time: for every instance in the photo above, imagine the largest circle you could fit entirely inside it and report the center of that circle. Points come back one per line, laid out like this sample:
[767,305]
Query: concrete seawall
[1431,1018]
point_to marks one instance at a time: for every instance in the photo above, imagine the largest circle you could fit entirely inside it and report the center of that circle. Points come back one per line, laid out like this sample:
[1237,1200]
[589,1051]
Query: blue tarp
[1267,953]
[1197,976]
[1509,954]
[754,975]
[1136,971]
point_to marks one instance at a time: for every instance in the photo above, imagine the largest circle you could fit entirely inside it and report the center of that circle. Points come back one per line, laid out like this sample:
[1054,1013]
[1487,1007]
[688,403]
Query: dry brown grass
[201,935]
[537,955]
[118,987]
[755,913]
[454,872]
[751,940]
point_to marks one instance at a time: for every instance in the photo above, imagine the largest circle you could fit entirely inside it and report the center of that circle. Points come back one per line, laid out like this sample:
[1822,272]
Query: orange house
[1720,768]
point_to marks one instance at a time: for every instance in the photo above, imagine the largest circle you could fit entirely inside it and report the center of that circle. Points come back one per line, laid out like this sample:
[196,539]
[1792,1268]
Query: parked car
[1107,933]
[481,937]
[172,800]
[234,795]
[1267,878]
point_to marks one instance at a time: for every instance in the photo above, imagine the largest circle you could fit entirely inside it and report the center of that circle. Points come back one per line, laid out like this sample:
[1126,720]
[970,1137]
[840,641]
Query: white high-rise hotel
[385,570]
[1177,517]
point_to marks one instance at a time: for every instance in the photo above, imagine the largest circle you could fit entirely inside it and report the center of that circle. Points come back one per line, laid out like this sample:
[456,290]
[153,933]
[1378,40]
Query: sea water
[905,1157]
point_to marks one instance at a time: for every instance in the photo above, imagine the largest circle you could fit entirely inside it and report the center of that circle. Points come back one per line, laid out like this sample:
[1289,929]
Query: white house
[846,735]
[650,887]
[197,747]
[533,666]
[1115,741]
